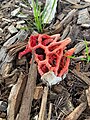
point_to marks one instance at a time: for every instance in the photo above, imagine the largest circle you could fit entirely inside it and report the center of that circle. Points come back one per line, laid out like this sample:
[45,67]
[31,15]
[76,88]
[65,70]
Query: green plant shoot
[87,52]
[87,58]
[37,15]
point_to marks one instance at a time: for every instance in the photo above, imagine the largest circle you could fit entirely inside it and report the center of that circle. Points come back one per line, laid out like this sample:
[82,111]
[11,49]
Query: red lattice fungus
[49,53]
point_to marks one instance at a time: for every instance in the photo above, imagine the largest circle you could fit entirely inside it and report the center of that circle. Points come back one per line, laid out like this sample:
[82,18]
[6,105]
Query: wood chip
[58,28]
[38,92]
[87,73]
[77,112]
[83,16]
[79,47]
[82,77]
[15,97]
[73,1]
[11,40]
[2,119]
[78,6]
[88,96]
[61,16]
[14,12]
[65,32]
[17,48]
[3,50]
[78,66]
[12,29]
[6,70]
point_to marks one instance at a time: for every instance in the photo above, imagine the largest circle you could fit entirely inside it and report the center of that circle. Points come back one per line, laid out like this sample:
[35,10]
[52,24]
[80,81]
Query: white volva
[51,79]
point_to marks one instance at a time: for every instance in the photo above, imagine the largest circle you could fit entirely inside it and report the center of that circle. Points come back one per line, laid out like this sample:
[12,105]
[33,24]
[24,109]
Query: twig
[49,113]
[43,104]
[77,112]
[25,109]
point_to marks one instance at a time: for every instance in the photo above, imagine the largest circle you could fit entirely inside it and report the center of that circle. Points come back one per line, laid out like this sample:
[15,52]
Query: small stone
[1,30]
[20,22]
[23,5]
[3,115]
[35,117]
[14,12]
[7,20]
[19,26]
[22,16]
[3,106]
[86,25]
[12,29]
[87,0]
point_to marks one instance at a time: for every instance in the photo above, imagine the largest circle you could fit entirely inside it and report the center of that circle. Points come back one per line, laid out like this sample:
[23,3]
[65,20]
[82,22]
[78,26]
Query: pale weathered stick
[43,104]
[50,112]
[25,109]
[77,112]
[88,96]
[15,97]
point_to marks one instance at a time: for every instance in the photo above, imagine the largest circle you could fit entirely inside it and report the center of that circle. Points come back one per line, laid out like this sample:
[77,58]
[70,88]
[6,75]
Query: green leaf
[83,59]
[87,51]
[24,28]
[70,57]
[88,59]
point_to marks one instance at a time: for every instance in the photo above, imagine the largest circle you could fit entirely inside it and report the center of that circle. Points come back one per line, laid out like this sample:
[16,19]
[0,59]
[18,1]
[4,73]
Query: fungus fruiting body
[50,53]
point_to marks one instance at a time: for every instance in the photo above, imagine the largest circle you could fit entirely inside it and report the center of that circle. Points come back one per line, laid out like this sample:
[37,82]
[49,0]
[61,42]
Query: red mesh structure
[50,53]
